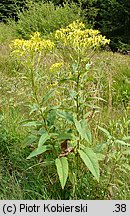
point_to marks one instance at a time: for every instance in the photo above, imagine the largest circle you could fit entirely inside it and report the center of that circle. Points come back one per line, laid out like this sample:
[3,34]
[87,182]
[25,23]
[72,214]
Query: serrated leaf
[62,170]
[91,161]
[43,139]
[38,151]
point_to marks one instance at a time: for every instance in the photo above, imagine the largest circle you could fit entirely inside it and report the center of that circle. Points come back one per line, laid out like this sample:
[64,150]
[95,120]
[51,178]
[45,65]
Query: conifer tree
[10,8]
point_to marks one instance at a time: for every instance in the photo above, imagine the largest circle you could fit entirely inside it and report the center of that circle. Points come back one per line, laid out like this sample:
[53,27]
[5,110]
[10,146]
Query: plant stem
[77,99]
[34,89]
[110,91]
[77,113]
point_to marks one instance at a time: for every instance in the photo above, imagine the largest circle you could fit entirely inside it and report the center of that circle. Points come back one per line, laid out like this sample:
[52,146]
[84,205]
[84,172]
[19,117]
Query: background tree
[113,19]
[10,8]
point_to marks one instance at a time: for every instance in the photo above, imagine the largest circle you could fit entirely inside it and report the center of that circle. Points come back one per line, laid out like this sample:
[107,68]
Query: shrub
[45,18]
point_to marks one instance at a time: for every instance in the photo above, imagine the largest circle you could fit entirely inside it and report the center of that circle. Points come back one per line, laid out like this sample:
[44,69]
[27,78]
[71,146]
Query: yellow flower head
[56,66]
[34,45]
[76,36]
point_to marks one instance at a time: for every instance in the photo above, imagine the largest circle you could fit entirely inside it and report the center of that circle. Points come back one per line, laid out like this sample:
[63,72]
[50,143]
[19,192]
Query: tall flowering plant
[29,53]
[64,129]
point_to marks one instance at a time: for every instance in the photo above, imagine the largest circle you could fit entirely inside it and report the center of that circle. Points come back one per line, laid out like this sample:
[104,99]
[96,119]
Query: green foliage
[62,170]
[91,161]
[83,129]
[111,17]
[45,18]
[38,151]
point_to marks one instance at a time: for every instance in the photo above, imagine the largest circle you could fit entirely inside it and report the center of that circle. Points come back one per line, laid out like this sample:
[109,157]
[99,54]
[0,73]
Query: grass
[31,179]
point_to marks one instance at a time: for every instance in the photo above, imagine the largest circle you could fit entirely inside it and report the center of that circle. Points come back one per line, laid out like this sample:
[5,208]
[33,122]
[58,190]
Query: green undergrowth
[24,179]
[31,179]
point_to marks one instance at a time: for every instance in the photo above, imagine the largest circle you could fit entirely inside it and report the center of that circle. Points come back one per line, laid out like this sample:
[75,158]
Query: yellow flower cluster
[35,45]
[76,36]
[56,66]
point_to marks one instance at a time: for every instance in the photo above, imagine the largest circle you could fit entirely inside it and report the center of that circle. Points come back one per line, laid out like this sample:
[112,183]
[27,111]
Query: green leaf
[38,151]
[34,108]
[64,136]
[43,139]
[47,96]
[106,132]
[30,123]
[82,128]
[122,142]
[91,161]
[62,170]
[72,177]
[66,115]
[86,130]
[30,139]
[87,114]
[78,126]
[51,117]
[63,80]
[66,80]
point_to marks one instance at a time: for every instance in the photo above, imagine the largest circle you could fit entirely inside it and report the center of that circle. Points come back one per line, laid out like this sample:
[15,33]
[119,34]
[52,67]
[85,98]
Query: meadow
[64,109]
